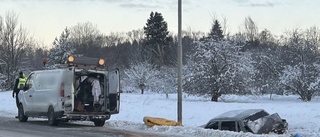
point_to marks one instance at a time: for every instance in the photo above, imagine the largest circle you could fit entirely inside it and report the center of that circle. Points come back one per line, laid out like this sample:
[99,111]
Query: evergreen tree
[62,49]
[156,38]
[216,33]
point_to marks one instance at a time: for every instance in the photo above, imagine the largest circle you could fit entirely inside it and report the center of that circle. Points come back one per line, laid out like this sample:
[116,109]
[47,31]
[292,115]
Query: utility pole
[179,64]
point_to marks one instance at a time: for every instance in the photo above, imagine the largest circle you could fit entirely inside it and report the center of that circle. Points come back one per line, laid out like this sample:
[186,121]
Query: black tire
[21,116]
[64,120]
[99,122]
[52,119]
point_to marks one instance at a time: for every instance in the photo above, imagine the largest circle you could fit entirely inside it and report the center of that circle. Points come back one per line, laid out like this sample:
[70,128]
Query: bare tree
[14,41]
[135,35]
[313,36]
[114,38]
[224,25]
[38,55]
[251,29]
[194,35]
[301,75]
[83,32]
[87,39]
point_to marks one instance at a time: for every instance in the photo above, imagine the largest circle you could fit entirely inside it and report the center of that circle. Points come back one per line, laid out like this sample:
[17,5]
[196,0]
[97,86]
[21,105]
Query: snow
[238,113]
[303,117]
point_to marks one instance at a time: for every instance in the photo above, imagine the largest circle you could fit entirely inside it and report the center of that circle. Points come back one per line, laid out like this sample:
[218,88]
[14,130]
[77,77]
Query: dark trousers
[17,100]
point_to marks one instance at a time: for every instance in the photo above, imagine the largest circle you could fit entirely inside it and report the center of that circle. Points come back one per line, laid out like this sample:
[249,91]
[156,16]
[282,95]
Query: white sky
[302,117]
[46,19]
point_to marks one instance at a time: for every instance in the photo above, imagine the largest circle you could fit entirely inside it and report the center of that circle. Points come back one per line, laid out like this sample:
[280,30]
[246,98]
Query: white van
[70,93]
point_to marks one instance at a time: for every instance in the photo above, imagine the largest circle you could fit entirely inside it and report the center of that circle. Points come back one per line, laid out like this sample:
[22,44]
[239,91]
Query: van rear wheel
[52,119]
[99,122]
[21,116]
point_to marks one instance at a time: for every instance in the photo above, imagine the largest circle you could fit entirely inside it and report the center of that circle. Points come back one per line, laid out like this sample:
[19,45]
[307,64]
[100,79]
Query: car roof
[48,70]
[239,114]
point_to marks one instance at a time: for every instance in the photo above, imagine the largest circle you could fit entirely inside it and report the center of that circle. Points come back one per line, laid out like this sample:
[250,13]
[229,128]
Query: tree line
[215,63]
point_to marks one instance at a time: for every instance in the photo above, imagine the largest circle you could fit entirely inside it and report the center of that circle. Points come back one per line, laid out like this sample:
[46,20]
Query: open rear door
[114,91]
[68,89]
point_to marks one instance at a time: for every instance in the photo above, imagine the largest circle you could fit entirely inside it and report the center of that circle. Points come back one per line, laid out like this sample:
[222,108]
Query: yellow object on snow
[151,121]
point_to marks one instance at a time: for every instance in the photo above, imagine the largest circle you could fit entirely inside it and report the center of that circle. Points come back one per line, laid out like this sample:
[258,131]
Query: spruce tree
[216,32]
[156,38]
[62,48]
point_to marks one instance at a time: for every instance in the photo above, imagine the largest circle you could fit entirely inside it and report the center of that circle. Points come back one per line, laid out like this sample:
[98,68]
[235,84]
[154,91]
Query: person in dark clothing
[19,81]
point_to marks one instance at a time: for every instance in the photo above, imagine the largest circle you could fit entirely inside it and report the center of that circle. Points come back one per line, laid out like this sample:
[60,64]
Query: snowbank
[303,117]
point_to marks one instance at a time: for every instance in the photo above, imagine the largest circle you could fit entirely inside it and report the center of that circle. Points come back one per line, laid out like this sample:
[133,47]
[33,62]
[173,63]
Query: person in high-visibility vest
[19,81]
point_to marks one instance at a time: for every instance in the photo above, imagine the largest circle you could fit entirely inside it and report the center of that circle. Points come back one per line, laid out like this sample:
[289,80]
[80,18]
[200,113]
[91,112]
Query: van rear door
[68,97]
[114,91]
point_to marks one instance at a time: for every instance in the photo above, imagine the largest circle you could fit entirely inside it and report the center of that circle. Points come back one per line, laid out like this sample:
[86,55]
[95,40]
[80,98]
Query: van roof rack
[86,62]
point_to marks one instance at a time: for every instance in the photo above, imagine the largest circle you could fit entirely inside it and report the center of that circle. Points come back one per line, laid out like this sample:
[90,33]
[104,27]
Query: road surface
[11,127]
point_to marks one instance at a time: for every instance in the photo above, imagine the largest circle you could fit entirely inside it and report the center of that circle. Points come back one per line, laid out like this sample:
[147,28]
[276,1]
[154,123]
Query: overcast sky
[46,19]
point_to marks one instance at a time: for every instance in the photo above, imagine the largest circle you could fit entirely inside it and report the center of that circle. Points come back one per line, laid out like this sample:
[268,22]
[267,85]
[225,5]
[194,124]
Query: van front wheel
[99,122]
[52,119]
[21,116]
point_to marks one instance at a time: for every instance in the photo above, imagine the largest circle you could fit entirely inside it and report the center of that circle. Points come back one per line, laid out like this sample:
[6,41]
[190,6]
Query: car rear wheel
[21,116]
[52,119]
[99,122]
[64,120]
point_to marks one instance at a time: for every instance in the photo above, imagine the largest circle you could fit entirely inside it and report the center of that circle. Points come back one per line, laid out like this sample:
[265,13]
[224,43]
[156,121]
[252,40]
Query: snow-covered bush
[145,77]
[219,67]
[140,76]
[301,74]
[302,80]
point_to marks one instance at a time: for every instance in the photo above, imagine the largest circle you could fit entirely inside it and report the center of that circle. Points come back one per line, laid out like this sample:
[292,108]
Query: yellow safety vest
[21,81]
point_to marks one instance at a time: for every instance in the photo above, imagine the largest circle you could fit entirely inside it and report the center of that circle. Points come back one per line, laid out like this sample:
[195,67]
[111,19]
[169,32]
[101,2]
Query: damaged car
[256,121]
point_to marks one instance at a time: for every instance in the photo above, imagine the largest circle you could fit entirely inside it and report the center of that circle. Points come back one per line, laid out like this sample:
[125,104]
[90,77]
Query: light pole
[179,64]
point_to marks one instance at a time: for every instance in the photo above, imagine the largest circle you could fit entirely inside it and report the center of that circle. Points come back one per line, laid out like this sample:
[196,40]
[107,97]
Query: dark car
[256,121]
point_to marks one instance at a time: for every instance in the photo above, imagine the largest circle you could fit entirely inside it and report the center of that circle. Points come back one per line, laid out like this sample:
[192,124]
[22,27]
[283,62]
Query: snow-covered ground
[303,117]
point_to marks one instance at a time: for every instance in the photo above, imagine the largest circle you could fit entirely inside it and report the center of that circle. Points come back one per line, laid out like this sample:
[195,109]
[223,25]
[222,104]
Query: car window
[248,129]
[228,125]
[256,116]
[213,125]
[29,82]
